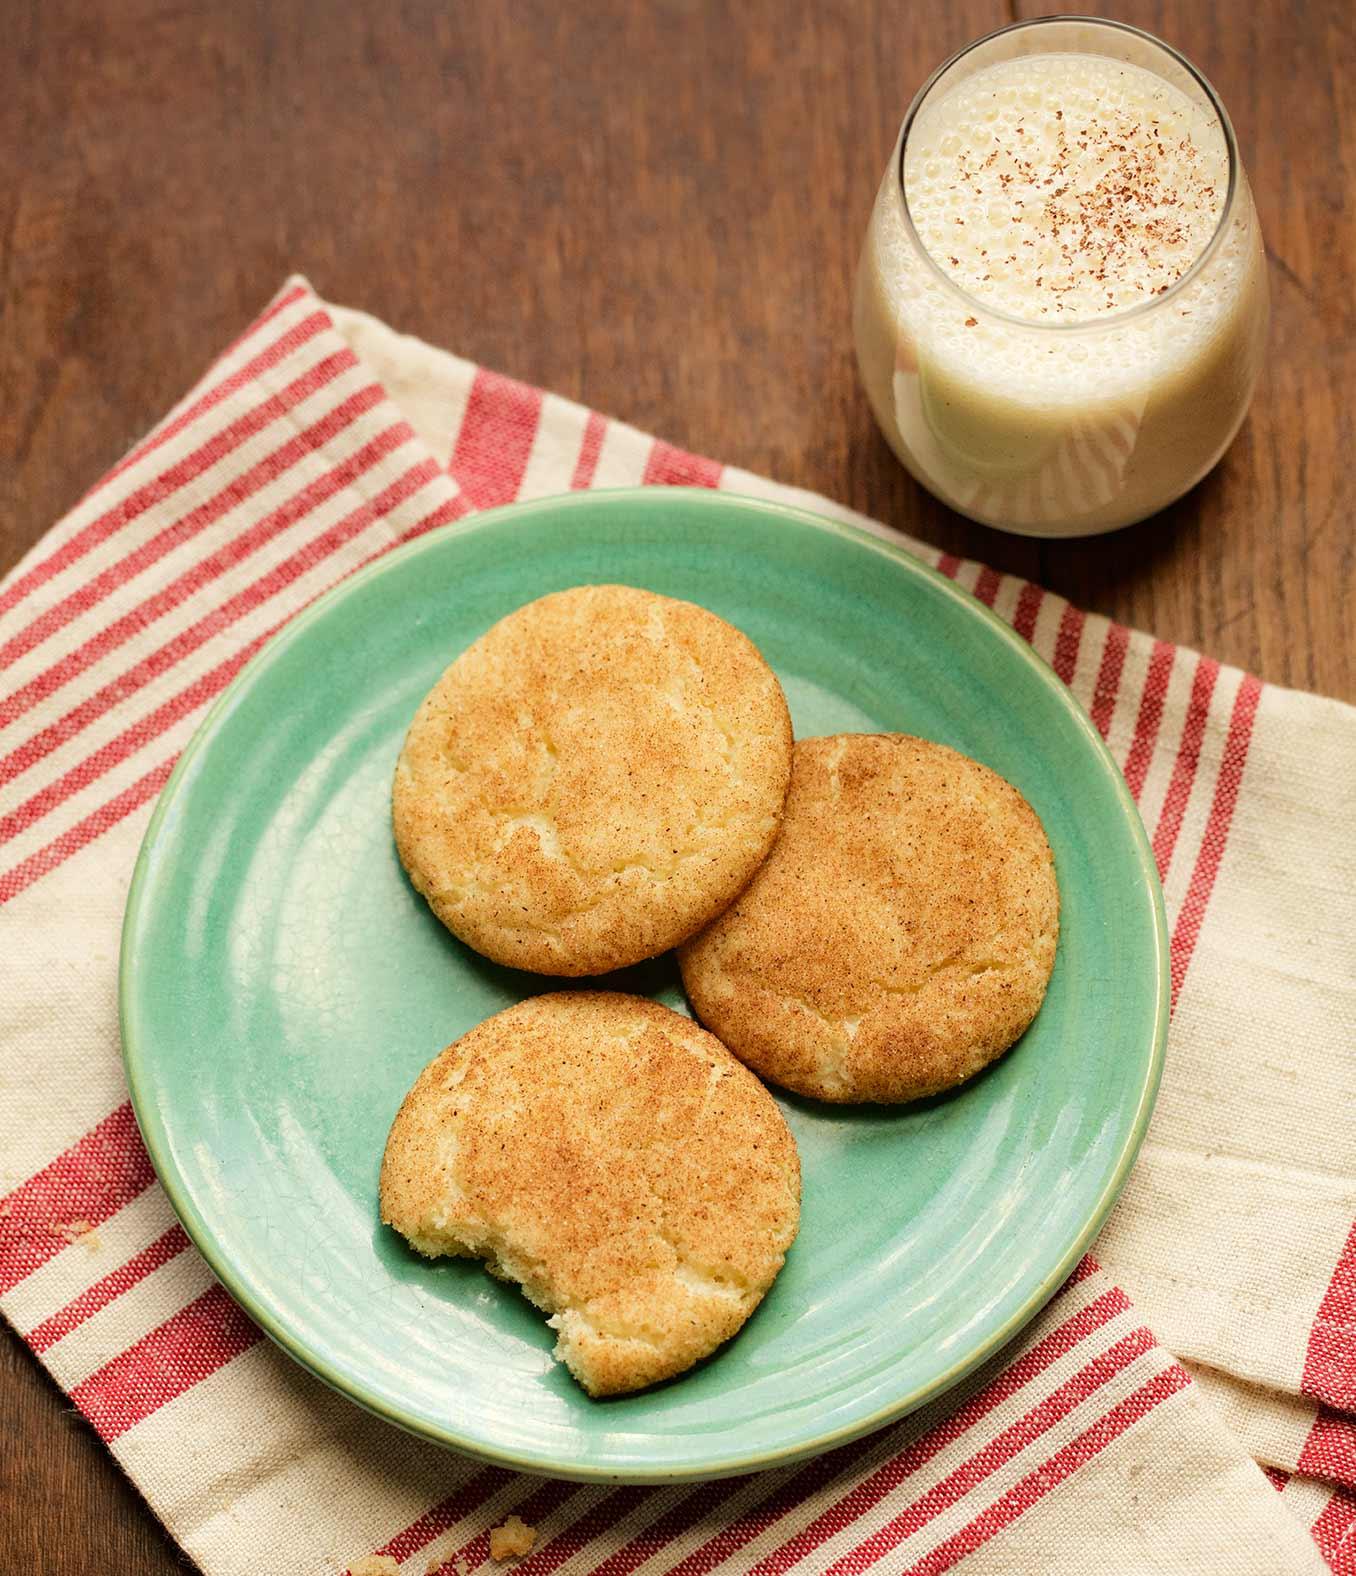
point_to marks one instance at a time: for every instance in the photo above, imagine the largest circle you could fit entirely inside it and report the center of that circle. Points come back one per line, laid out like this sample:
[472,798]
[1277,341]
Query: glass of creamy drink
[1061,306]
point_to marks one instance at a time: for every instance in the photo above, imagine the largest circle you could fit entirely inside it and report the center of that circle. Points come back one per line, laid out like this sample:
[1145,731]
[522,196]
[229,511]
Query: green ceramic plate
[282,984]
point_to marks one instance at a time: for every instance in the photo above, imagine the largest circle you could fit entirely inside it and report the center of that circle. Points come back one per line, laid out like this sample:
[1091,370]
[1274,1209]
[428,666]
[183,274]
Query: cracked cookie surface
[593,780]
[616,1161]
[899,937]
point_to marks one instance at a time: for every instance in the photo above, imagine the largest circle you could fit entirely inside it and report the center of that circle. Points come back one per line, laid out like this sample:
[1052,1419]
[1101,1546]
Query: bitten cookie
[593,780]
[616,1161]
[900,935]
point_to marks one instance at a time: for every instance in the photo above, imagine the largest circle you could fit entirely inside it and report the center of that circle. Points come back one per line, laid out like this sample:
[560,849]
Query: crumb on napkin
[77,1231]
[512,1540]
[375,1565]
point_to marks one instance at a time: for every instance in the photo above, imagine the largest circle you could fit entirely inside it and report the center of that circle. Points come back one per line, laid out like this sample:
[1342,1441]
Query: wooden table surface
[652,207]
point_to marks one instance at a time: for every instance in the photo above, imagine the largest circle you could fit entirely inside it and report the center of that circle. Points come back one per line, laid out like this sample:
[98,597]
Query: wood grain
[652,207]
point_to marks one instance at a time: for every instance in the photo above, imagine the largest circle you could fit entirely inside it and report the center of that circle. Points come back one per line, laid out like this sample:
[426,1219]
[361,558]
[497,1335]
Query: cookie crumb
[512,1540]
[78,1231]
[374,1565]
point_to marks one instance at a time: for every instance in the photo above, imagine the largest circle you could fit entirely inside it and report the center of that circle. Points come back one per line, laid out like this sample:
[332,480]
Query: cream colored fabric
[1084,1447]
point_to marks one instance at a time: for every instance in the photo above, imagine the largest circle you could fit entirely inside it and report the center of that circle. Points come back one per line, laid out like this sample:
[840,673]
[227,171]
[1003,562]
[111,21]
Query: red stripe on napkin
[156,493]
[174,1357]
[1103,706]
[70,842]
[1150,718]
[1052,1473]
[83,833]
[496,438]
[1335,1533]
[536,1507]
[1067,642]
[214,393]
[873,1489]
[998,1450]
[207,570]
[595,430]
[1184,767]
[987,586]
[157,490]
[81,1188]
[592,1524]
[165,1247]
[1329,1450]
[253,596]
[1232,762]
[309,441]
[997,1453]
[668,466]
[1330,1360]
[1029,601]
[1186,763]
[447,1513]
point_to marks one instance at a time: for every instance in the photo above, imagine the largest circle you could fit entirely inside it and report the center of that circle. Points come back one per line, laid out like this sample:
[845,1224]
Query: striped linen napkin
[316,442]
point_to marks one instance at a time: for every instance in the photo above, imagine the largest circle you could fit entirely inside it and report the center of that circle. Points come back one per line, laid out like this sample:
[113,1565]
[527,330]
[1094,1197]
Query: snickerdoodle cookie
[616,1161]
[593,780]
[900,935]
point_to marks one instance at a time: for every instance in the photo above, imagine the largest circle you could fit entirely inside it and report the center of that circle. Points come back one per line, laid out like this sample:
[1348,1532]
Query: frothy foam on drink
[1061,187]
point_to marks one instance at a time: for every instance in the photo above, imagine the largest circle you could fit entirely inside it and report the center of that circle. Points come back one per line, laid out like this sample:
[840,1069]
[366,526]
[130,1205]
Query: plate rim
[179,1193]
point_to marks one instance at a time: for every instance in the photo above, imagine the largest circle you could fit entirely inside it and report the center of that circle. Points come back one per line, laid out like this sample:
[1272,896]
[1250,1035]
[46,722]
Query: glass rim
[1124,314]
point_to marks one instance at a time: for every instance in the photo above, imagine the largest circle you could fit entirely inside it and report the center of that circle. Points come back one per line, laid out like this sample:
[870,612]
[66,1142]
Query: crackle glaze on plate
[282,984]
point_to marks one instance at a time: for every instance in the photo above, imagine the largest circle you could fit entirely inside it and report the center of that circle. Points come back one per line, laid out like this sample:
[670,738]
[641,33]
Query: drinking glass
[1062,428]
